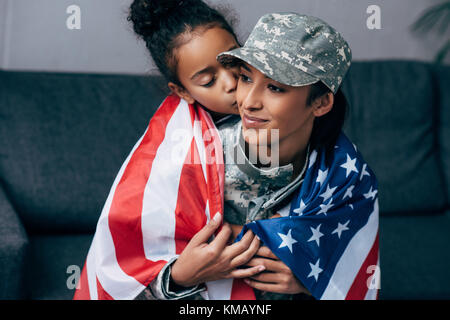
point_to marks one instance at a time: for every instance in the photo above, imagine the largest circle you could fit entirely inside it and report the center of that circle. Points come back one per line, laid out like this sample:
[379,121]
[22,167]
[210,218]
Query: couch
[63,138]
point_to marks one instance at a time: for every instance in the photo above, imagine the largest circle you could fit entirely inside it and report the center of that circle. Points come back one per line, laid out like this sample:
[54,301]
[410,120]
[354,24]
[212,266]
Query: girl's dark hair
[327,128]
[161,22]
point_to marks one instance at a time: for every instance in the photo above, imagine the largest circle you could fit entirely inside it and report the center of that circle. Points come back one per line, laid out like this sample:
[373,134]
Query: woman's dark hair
[160,23]
[327,128]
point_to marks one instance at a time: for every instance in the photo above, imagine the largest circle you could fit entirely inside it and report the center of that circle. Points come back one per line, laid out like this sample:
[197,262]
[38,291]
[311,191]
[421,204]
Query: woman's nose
[251,100]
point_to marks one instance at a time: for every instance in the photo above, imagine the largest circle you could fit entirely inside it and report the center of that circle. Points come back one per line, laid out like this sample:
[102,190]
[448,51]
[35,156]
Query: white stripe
[161,191]
[372,293]
[113,279]
[90,273]
[219,289]
[353,257]
[207,213]
[217,146]
[198,135]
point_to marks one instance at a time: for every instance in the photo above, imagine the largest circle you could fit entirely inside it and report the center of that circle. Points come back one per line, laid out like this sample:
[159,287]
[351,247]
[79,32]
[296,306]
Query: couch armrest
[13,251]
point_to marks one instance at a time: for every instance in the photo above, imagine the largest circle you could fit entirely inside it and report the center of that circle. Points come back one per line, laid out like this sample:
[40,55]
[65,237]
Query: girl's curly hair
[161,24]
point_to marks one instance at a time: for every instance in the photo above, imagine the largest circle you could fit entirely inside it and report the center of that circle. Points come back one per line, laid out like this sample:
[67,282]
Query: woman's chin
[256,137]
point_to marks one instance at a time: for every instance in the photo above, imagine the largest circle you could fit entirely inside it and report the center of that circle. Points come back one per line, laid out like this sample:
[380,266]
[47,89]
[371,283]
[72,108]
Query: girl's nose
[230,81]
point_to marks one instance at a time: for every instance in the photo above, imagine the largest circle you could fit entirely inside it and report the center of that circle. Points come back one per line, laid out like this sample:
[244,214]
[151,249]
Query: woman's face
[204,79]
[267,104]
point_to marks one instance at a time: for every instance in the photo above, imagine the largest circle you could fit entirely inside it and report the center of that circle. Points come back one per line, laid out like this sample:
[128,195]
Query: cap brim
[271,66]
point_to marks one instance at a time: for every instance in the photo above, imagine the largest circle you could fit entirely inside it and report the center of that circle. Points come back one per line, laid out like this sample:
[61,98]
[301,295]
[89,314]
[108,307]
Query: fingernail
[217,217]
[257,237]
[261,268]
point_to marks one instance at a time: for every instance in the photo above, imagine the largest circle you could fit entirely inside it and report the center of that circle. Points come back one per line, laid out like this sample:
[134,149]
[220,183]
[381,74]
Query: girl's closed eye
[209,82]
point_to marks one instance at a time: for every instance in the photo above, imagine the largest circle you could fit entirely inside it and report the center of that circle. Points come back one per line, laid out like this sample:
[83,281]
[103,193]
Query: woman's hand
[278,277]
[201,261]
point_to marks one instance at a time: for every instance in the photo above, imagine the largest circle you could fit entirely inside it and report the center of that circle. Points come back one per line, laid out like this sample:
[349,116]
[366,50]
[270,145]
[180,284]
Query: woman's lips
[253,122]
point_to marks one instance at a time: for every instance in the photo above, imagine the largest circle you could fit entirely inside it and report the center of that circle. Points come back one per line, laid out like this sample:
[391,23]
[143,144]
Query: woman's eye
[275,88]
[244,78]
[210,83]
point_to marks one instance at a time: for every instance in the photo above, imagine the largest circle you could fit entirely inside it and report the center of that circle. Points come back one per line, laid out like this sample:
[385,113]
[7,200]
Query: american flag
[161,197]
[329,234]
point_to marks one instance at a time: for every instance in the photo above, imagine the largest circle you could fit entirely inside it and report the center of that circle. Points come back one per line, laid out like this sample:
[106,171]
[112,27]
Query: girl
[157,208]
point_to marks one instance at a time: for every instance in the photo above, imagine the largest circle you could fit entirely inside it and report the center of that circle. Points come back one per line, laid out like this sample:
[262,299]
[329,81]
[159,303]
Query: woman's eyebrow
[246,68]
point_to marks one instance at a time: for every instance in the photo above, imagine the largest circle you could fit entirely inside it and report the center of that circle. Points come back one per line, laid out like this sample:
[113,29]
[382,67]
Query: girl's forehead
[198,55]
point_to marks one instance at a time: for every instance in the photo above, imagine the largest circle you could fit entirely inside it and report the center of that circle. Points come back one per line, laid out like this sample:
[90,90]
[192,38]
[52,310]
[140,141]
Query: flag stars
[341,228]
[328,193]
[300,209]
[322,175]
[349,166]
[370,194]
[325,207]
[316,235]
[287,240]
[364,172]
[348,192]
[312,158]
[315,270]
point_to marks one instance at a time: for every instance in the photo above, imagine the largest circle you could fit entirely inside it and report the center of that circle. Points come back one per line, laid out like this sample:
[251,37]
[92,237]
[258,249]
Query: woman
[291,68]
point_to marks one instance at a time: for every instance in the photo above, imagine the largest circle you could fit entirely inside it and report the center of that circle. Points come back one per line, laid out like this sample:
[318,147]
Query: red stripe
[102,294]
[241,291]
[83,292]
[126,207]
[214,164]
[359,288]
[190,209]
[216,176]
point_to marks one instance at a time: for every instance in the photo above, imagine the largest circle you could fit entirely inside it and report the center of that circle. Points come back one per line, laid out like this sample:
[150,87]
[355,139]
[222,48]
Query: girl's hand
[201,261]
[277,277]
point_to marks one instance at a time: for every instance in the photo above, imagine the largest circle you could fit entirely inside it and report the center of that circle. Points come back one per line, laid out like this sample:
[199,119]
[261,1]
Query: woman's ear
[181,92]
[323,105]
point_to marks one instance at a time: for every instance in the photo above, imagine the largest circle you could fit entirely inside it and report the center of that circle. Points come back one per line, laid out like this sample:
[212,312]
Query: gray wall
[34,36]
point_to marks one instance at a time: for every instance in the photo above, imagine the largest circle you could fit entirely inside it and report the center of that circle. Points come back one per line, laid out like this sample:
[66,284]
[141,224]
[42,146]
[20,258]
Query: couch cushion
[64,138]
[50,256]
[13,251]
[443,80]
[392,121]
[414,257]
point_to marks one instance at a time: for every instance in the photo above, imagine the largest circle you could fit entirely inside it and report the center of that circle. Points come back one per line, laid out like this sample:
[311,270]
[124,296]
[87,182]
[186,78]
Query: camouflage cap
[296,50]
